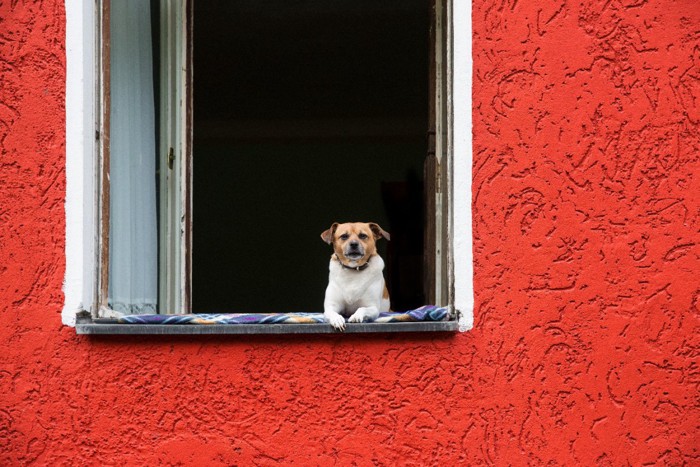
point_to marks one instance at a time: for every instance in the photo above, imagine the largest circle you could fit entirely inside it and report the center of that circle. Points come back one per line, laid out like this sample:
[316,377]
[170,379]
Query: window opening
[306,113]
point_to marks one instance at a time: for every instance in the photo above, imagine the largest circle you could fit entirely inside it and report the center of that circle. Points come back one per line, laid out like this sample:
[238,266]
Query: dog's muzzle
[354,251]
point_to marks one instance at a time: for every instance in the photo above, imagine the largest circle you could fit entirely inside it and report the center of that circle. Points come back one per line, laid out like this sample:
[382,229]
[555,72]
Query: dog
[356,287]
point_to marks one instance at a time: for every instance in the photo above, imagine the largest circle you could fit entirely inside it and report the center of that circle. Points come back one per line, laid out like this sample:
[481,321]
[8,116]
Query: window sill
[350,328]
[92,328]
[424,319]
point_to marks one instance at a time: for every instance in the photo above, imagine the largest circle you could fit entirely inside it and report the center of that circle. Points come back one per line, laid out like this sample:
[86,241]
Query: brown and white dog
[356,287]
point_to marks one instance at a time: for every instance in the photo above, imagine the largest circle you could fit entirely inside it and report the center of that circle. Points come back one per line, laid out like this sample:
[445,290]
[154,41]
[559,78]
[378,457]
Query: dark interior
[305,113]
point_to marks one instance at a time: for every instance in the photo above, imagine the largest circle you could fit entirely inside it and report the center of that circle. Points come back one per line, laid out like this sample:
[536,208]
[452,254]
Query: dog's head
[354,242]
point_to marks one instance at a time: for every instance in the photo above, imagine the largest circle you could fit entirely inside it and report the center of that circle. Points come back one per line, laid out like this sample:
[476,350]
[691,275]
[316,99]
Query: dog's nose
[354,244]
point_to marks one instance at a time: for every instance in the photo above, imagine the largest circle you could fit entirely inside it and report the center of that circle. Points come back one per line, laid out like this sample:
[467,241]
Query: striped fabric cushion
[424,313]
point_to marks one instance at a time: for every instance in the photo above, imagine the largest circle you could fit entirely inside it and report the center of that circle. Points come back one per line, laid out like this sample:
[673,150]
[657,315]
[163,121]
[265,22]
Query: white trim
[79,283]
[462,239]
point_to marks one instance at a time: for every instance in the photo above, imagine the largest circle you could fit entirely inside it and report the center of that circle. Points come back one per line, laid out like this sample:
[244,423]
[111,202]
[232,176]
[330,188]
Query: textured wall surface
[586,338]
[586,201]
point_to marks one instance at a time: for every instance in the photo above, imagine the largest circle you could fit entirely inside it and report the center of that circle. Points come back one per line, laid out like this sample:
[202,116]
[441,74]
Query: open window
[232,134]
[305,114]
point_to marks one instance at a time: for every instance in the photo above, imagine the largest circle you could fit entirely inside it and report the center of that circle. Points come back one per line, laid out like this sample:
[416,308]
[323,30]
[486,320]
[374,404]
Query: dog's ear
[327,235]
[379,232]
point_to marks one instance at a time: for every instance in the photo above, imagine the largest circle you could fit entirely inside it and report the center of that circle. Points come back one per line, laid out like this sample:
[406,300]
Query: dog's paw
[337,321]
[357,317]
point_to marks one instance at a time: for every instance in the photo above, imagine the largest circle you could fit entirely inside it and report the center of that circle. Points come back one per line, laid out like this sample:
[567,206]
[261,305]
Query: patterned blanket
[424,313]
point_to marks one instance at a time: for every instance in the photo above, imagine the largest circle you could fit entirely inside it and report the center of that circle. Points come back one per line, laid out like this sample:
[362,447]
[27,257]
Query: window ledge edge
[91,328]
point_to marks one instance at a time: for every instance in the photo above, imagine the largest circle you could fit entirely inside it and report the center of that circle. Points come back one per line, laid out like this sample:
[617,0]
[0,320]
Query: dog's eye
[344,237]
[363,236]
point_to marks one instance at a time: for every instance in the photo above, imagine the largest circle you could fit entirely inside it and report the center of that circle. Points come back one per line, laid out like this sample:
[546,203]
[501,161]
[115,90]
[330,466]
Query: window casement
[116,200]
[145,155]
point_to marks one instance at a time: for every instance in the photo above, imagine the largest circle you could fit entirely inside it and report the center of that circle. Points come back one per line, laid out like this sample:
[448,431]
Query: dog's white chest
[356,288]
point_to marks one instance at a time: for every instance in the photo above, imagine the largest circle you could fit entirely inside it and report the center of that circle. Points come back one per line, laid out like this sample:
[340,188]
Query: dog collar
[356,268]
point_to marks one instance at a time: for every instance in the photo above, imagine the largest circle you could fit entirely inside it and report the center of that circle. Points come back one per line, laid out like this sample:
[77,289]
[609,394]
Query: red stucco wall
[585,346]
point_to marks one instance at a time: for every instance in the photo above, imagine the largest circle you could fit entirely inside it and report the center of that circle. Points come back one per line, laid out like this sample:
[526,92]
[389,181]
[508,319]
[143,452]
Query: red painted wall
[585,346]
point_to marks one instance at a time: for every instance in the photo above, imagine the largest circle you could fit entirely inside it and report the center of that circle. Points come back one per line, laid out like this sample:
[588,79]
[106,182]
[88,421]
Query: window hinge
[171,158]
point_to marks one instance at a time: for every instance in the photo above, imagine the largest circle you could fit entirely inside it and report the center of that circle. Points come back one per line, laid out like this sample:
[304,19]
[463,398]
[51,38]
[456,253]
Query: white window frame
[82,243]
